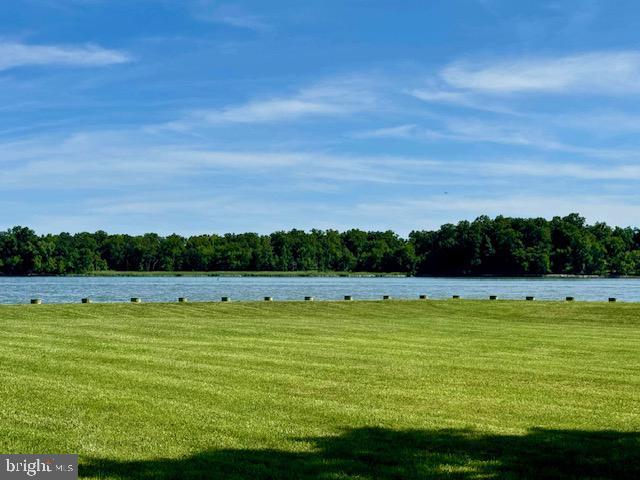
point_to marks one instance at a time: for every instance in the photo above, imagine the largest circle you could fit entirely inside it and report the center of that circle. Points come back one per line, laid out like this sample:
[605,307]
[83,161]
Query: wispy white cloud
[503,133]
[116,159]
[516,168]
[596,123]
[273,110]
[462,99]
[243,21]
[616,72]
[531,136]
[19,54]
[228,190]
[434,95]
[108,159]
[229,14]
[333,97]
[463,131]
[409,131]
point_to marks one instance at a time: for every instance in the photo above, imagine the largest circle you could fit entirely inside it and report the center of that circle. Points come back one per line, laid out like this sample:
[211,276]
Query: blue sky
[196,116]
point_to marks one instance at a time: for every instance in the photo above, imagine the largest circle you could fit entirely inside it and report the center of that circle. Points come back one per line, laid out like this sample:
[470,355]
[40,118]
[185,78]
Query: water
[168,289]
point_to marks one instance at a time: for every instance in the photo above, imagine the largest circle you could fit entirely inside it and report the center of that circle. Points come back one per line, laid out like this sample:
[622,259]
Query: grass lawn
[326,390]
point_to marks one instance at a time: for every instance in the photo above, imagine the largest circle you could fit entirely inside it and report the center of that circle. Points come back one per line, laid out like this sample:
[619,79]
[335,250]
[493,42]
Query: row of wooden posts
[38,301]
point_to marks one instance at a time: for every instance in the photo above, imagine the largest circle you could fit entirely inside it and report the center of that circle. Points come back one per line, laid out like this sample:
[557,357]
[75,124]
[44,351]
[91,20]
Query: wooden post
[136,300]
[86,300]
[36,301]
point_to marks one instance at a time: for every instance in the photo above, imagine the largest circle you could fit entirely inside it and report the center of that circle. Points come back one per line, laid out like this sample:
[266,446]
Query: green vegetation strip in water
[303,273]
[411,389]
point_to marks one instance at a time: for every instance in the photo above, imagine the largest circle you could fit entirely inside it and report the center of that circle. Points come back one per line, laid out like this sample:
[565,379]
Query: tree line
[485,246]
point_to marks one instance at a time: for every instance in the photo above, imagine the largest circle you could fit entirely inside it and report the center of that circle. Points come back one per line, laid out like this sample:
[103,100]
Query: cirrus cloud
[616,72]
[14,55]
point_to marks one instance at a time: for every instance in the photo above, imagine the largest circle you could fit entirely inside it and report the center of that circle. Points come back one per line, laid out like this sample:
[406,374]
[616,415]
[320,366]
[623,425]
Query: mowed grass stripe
[147,354]
[122,382]
[403,352]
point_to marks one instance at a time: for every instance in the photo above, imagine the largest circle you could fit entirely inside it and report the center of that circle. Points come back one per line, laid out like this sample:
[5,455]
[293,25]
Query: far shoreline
[315,274]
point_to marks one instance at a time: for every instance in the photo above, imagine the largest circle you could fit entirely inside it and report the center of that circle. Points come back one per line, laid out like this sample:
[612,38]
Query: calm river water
[165,289]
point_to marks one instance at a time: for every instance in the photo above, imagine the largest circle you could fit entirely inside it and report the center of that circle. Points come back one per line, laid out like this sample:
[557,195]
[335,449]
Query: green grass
[304,273]
[326,390]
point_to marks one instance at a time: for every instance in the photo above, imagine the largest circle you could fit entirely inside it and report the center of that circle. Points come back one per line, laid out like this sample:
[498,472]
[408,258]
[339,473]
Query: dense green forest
[500,246]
